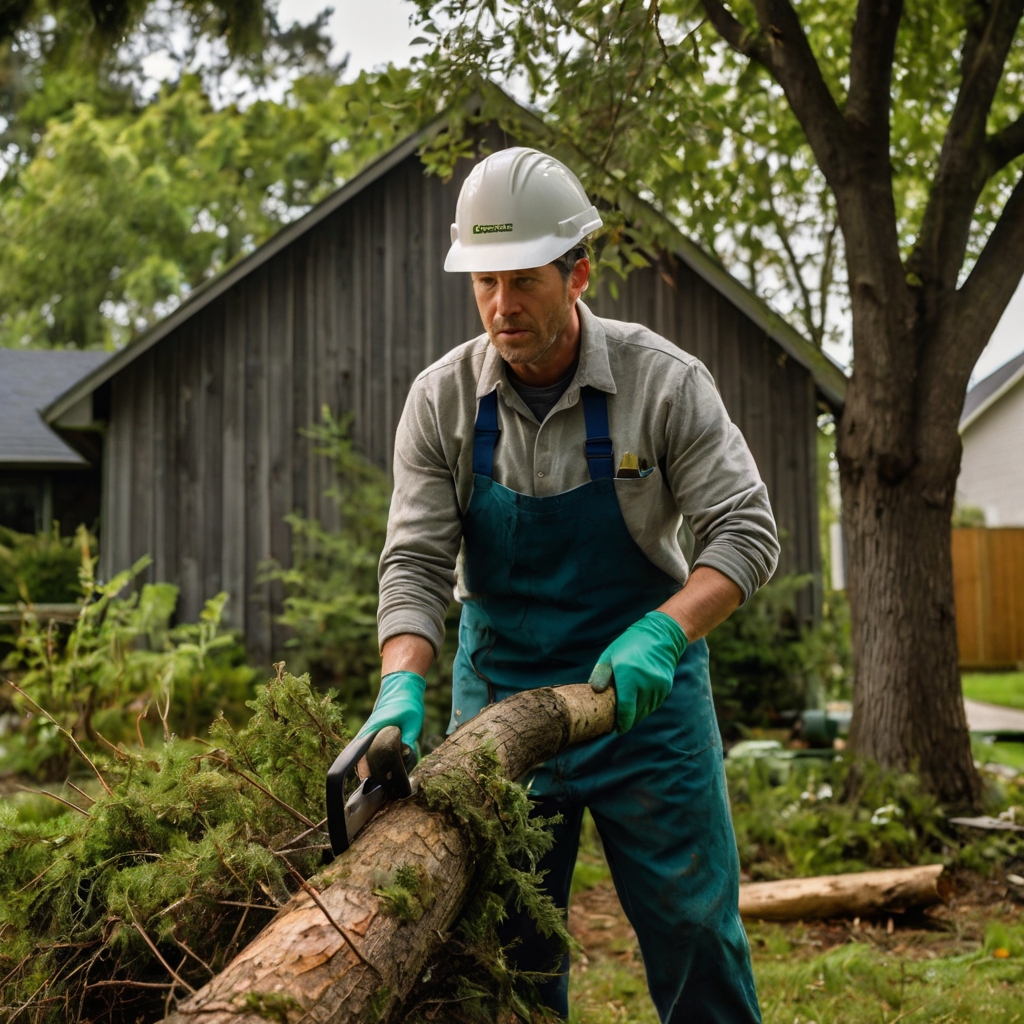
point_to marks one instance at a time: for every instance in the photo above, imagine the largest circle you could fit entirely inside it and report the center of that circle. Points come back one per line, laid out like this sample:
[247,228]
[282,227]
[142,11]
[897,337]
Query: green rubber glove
[400,702]
[643,662]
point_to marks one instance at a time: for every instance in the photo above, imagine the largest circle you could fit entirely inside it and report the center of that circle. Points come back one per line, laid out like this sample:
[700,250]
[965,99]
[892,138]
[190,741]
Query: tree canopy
[653,95]
[117,215]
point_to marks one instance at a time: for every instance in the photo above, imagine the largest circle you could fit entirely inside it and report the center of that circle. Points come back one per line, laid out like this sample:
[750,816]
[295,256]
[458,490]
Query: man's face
[524,311]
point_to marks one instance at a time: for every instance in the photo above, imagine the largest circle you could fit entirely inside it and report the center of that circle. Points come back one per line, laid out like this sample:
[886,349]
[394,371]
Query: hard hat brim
[492,257]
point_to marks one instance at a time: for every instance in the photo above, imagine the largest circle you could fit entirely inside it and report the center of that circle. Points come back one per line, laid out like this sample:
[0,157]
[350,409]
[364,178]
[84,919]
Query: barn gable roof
[988,391]
[828,377]
[30,380]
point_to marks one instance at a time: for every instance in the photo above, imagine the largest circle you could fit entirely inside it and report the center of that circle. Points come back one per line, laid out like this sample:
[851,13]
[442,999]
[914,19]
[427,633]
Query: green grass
[1011,754]
[856,983]
[1006,688]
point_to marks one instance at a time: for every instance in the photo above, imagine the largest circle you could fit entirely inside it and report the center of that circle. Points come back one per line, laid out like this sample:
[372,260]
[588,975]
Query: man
[548,465]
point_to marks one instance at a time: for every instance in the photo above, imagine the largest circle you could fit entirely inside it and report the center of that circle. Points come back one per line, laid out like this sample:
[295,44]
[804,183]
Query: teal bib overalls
[549,583]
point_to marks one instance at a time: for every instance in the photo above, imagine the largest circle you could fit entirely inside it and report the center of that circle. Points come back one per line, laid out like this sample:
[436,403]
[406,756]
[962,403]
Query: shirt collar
[593,370]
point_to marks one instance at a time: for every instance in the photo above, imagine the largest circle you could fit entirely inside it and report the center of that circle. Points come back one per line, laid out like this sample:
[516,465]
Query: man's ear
[579,278]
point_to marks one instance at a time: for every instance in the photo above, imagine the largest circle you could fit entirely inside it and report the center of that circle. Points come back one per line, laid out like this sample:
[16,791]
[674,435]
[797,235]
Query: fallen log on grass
[863,894]
[337,951]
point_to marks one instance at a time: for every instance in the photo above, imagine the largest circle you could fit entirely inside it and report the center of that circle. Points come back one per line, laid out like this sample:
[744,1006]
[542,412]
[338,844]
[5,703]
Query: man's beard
[543,335]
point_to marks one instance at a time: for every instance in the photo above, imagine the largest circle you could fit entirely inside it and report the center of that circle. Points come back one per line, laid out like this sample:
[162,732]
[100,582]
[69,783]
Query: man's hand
[400,702]
[643,660]
[643,663]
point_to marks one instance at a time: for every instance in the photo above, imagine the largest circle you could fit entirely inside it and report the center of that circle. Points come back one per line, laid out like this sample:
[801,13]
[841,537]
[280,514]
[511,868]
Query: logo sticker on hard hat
[490,229]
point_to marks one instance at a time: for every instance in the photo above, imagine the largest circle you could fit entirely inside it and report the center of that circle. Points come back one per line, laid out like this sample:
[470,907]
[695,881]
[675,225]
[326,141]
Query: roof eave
[983,407]
[22,465]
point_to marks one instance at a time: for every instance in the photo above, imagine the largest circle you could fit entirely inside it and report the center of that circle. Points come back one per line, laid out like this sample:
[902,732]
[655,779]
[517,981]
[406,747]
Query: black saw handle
[388,759]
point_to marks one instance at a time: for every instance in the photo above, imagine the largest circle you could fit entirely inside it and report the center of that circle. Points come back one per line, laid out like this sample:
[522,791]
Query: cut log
[335,954]
[858,895]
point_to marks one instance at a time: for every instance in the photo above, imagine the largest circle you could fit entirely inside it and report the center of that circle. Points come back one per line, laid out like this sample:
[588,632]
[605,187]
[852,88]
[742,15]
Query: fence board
[988,579]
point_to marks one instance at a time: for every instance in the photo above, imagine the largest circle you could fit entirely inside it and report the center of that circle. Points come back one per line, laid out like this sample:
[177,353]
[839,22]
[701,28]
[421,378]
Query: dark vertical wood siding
[204,450]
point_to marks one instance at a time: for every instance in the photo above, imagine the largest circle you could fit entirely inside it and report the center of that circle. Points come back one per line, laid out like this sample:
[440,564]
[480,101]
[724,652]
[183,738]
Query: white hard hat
[517,209]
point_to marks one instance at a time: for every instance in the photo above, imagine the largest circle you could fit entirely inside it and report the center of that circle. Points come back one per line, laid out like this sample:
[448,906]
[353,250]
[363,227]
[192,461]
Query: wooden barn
[202,416]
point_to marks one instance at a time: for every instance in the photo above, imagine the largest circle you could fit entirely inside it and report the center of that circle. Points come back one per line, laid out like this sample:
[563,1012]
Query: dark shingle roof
[29,381]
[985,389]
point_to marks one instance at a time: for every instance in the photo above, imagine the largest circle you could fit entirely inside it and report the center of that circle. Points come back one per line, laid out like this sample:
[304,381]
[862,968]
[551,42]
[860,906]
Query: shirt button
[540,474]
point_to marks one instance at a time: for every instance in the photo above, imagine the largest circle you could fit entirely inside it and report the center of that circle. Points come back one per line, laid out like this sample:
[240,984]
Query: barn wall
[204,451]
[204,446]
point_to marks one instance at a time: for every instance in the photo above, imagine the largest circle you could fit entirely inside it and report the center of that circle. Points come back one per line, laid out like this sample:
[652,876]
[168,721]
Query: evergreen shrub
[183,845]
[124,892]
[331,591]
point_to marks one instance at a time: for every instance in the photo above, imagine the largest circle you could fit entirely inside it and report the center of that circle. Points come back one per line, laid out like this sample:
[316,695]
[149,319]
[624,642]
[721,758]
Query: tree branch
[872,48]
[987,291]
[961,175]
[736,34]
[782,48]
[1005,146]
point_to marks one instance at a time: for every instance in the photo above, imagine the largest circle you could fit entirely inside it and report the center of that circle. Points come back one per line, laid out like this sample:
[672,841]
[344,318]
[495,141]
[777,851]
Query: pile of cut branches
[142,891]
[128,892]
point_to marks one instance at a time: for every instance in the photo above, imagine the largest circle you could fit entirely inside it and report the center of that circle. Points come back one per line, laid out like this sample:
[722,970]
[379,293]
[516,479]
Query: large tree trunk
[899,458]
[336,955]
[918,330]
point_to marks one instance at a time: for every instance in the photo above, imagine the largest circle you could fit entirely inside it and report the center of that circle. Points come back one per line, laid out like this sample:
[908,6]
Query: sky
[375,32]
[372,32]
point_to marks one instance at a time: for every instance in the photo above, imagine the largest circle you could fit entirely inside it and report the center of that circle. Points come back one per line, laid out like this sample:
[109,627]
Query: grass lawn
[827,974]
[961,963]
[1006,688]
[1011,754]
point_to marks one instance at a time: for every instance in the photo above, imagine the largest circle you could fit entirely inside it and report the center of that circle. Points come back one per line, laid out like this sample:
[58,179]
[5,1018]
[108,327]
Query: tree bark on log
[858,895]
[336,955]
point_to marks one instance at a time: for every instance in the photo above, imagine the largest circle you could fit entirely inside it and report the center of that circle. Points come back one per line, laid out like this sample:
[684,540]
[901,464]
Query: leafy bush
[764,662]
[813,819]
[121,673]
[42,567]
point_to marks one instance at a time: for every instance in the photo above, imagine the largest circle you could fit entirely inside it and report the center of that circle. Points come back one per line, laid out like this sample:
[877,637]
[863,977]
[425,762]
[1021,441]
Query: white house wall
[992,468]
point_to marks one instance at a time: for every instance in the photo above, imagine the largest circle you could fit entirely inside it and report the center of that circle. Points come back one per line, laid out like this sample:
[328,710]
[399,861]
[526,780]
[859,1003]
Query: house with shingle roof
[45,475]
[992,433]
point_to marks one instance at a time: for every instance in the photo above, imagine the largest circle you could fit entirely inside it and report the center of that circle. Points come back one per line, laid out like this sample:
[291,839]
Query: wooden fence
[988,578]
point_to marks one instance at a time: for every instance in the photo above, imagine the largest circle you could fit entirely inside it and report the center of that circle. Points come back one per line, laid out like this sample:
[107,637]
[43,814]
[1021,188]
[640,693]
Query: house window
[26,501]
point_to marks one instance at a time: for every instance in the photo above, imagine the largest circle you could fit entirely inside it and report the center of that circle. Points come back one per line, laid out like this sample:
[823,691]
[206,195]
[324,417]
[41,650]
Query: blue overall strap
[600,453]
[485,435]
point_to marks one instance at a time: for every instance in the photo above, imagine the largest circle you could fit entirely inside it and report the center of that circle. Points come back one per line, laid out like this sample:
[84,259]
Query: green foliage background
[122,673]
[42,567]
[115,216]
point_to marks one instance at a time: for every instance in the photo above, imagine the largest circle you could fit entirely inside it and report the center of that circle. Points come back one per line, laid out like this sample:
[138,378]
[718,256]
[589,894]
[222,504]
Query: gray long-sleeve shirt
[662,406]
